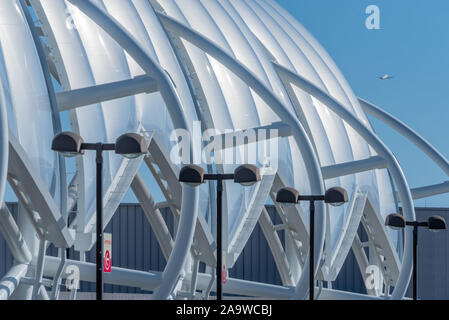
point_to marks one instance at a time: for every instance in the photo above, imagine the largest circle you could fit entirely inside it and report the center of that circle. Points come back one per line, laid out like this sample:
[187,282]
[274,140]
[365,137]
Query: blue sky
[412,45]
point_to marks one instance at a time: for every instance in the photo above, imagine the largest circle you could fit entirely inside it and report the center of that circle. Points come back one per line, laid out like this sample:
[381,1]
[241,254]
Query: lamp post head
[68,144]
[288,196]
[247,175]
[395,221]
[193,175]
[131,145]
[436,223]
[336,196]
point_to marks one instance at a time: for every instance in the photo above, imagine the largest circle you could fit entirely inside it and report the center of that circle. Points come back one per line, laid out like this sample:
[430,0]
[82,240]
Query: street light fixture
[397,222]
[193,175]
[68,144]
[129,145]
[335,196]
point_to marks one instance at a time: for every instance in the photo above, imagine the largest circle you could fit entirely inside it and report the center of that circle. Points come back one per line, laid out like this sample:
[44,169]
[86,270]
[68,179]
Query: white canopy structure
[152,66]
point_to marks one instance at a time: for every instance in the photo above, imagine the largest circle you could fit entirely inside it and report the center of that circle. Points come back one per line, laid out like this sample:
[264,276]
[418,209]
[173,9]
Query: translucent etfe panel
[161,51]
[28,105]
[290,163]
[276,50]
[220,118]
[328,132]
[240,104]
[239,101]
[263,68]
[321,63]
[287,167]
[250,53]
[140,20]
[288,54]
[378,179]
[108,63]
[87,121]
[218,115]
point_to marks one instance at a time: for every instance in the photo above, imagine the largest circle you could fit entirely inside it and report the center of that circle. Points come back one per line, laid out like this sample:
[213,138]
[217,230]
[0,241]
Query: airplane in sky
[385,77]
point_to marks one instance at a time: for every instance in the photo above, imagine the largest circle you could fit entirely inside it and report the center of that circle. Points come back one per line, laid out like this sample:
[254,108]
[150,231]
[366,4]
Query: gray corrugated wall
[433,258]
[256,263]
[135,246]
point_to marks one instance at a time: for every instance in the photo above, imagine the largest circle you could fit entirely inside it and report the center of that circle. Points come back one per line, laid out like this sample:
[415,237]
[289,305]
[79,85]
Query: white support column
[282,131]
[73,99]
[24,291]
[153,215]
[429,191]
[275,245]
[342,169]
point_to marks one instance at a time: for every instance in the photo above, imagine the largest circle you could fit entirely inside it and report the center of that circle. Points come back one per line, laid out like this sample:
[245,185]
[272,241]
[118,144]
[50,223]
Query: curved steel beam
[298,132]
[4,144]
[56,119]
[276,247]
[407,133]
[189,210]
[384,152]
[25,179]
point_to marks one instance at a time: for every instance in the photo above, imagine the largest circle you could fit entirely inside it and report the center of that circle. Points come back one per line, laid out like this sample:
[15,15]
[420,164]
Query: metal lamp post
[129,145]
[194,175]
[434,223]
[336,196]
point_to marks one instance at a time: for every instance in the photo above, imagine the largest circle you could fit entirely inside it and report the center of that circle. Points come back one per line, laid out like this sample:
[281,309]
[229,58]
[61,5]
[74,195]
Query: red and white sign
[107,249]
[224,275]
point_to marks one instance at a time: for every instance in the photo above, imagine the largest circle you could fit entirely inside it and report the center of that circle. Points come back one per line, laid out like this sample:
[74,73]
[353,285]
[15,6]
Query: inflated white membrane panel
[254,32]
[26,94]
[383,193]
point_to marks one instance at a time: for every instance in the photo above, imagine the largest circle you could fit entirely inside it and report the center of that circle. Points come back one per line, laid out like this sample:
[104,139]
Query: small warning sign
[107,257]
[224,275]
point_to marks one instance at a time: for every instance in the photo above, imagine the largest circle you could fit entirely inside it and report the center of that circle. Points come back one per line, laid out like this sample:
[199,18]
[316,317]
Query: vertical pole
[39,268]
[415,262]
[99,259]
[219,237]
[24,291]
[312,251]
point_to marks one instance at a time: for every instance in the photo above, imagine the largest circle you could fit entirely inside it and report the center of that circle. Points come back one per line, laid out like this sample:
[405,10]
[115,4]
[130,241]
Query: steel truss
[194,241]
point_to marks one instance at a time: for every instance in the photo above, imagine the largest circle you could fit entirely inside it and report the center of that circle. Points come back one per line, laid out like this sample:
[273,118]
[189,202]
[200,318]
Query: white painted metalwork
[111,91]
[152,66]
